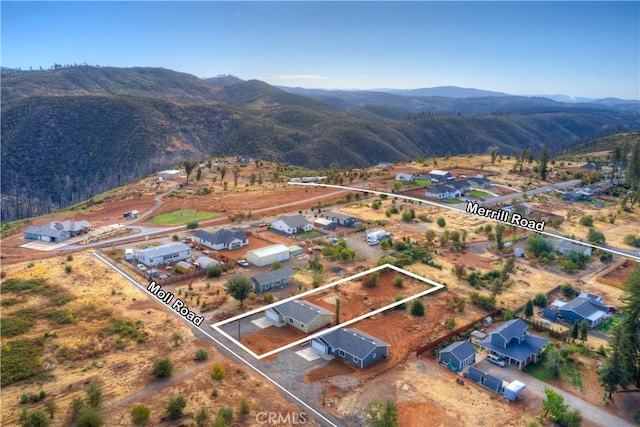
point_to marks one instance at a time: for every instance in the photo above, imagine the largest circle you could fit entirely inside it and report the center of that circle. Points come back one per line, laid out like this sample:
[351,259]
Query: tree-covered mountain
[71,133]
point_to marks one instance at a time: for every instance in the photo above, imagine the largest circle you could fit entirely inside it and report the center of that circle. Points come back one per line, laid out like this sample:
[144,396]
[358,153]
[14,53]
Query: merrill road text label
[505,216]
[178,305]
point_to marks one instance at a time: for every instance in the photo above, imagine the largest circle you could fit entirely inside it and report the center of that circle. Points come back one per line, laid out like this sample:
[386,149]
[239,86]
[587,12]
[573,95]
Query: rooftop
[270,250]
[294,221]
[352,341]
[302,311]
[275,275]
[169,248]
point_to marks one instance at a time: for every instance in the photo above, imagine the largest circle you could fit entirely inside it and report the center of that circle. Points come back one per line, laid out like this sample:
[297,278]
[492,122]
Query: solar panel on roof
[58,225]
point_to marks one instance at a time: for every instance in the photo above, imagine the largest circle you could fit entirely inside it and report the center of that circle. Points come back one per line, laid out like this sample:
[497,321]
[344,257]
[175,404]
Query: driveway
[590,412]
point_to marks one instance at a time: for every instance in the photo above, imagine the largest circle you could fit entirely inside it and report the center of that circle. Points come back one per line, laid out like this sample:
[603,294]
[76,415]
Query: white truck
[128,254]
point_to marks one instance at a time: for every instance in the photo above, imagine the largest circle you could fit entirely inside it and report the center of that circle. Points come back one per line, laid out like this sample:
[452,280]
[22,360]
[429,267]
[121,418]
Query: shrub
[192,225]
[69,257]
[269,298]
[201,354]
[140,414]
[450,323]
[586,220]
[417,308]
[35,418]
[568,290]
[175,237]
[162,367]
[371,280]
[214,270]
[632,240]
[244,408]
[276,265]
[67,268]
[225,415]
[595,236]
[398,282]
[89,416]
[175,407]
[94,394]
[217,372]
[540,299]
[441,222]
[606,257]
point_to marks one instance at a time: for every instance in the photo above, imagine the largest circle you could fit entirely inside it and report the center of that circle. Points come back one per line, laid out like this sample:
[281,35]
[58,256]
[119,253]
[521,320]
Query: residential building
[514,343]
[222,239]
[293,224]
[443,192]
[163,254]
[325,224]
[437,175]
[458,355]
[585,307]
[405,177]
[272,279]
[479,181]
[56,231]
[563,246]
[302,315]
[268,255]
[169,174]
[342,219]
[352,345]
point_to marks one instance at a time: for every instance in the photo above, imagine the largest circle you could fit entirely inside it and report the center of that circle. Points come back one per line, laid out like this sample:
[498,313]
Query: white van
[496,360]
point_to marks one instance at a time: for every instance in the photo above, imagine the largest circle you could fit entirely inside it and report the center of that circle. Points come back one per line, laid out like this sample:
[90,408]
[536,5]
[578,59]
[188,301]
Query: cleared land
[182,216]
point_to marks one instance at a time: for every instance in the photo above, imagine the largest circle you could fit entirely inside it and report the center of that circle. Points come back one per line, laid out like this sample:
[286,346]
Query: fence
[422,349]
[602,279]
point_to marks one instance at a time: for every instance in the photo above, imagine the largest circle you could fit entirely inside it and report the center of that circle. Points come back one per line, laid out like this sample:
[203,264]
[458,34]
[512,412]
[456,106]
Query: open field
[183,216]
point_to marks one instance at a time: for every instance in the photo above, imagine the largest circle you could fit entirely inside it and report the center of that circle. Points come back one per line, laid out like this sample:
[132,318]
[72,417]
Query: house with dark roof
[585,307]
[325,224]
[437,175]
[457,355]
[57,231]
[301,315]
[341,219]
[549,314]
[576,195]
[479,181]
[443,192]
[462,185]
[221,239]
[272,279]
[163,254]
[512,342]
[590,166]
[405,177]
[563,246]
[352,345]
[293,224]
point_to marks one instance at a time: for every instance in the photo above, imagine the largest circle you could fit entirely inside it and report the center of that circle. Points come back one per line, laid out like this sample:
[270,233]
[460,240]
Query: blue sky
[589,49]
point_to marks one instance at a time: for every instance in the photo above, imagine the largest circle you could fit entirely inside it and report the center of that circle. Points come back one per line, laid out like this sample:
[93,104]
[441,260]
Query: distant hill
[223,80]
[71,133]
[446,91]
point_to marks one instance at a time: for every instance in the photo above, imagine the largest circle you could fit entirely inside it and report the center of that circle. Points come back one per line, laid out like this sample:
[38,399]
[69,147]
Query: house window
[341,353]
[301,325]
[356,360]
[290,320]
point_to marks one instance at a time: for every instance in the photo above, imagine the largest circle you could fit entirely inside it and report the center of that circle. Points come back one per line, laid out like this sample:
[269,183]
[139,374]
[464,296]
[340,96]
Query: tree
[140,414]
[94,394]
[397,185]
[337,311]
[239,287]
[175,407]
[382,414]
[203,418]
[584,330]
[188,168]
[543,161]
[459,270]
[35,418]
[575,331]
[500,228]
[88,416]
[616,158]
[176,338]
[540,299]
[213,270]
[417,308]
[235,171]
[572,418]
[199,174]
[225,415]
[276,265]
[441,222]
[201,354]
[528,309]
[614,373]
[554,405]
[430,235]
[496,286]
[633,173]
[223,173]
[595,236]
[630,342]
[162,367]
[51,407]
[192,225]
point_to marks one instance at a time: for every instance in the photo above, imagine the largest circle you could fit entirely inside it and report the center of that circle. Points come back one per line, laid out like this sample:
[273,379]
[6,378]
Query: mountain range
[71,133]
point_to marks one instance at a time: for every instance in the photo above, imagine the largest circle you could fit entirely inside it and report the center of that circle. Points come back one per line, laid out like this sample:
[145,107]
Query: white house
[437,175]
[222,239]
[293,224]
[169,174]
[443,192]
[163,254]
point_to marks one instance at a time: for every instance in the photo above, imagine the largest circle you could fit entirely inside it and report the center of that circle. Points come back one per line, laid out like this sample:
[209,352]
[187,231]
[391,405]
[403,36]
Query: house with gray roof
[204,262]
[342,219]
[301,315]
[443,192]
[563,246]
[57,231]
[437,175]
[585,307]
[352,345]
[272,279]
[292,224]
[512,342]
[457,355]
[479,181]
[221,239]
[405,177]
[163,254]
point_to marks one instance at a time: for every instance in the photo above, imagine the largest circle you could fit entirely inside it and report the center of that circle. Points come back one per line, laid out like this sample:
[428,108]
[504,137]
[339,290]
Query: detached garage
[268,255]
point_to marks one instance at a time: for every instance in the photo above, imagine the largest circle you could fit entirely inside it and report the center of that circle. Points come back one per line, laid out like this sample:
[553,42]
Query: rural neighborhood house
[272,279]
[57,231]
[301,315]
[351,345]
[293,224]
[163,254]
[514,344]
[458,355]
[221,239]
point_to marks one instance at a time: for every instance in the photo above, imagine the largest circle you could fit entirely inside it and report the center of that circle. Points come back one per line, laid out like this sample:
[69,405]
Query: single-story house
[458,355]
[590,166]
[352,345]
[576,195]
[163,254]
[463,186]
[384,165]
[520,208]
[405,177]
[479,181]
[56,231]
[293,224]
[272,279]
[443,192]
[301,315]
[514,343]
[185,267]
[169,174]
[341,219]
[437,175]
[325,224]
[586,308]
[205,261]
[268,255]
[221,239]
[563,246]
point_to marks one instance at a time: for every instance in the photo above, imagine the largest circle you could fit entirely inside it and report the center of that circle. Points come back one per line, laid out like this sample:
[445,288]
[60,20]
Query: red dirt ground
[469,260]
[332,369]
[271,338]
[621,273]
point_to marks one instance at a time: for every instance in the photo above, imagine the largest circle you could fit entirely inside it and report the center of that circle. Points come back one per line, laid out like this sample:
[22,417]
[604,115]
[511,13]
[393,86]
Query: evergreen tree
[633,173]
[239,287]
[630,343]
[575,331]
[584,330]
[528,309]
[614,373]
[543,162]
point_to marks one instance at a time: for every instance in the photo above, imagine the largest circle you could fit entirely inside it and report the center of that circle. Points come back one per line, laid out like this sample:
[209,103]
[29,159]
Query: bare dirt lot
[271,337]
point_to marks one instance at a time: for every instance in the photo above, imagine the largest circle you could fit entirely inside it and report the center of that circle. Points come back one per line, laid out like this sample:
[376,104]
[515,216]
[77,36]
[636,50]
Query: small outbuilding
[513,390]
[325,224]
[185,267]
[295,250]
[268,255]
[205,261]
[457,355]
[169,174]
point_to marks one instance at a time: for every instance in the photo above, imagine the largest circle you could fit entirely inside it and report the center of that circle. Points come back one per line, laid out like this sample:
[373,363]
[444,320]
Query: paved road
[590,412]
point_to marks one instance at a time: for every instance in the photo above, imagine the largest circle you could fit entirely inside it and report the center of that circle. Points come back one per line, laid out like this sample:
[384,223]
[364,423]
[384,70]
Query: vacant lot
[271,337]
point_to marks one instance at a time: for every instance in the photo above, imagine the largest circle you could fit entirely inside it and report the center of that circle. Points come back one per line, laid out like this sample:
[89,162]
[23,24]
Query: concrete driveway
[590,412]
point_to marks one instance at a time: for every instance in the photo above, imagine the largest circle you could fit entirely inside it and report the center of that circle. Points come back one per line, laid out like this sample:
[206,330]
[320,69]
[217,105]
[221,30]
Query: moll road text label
[505,216]
[178,305]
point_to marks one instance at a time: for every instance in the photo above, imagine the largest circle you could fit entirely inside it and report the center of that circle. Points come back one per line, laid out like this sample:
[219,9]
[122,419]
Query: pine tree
[614,373]
[544,160]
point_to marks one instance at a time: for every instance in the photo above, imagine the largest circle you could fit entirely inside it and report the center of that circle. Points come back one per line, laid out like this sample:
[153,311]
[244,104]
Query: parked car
[142,267]
[243,263]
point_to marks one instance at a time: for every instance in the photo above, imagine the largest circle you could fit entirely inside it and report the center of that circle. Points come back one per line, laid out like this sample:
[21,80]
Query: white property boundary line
[428,202]
[236,355]
[436,287]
